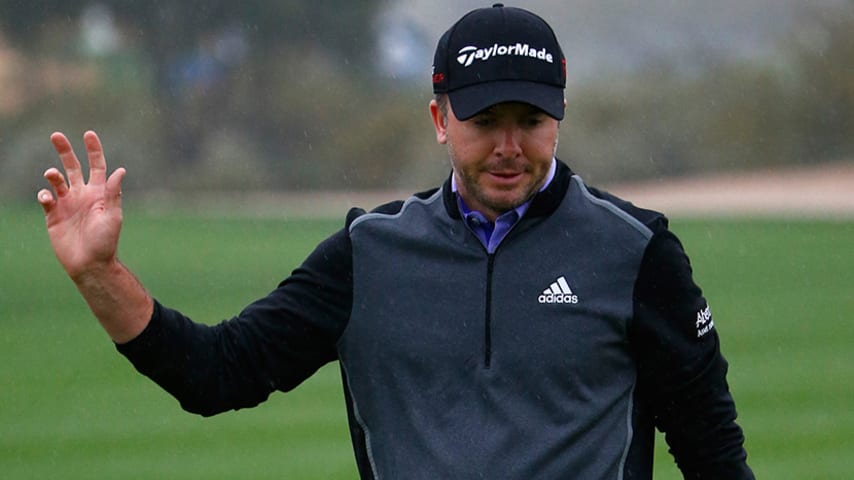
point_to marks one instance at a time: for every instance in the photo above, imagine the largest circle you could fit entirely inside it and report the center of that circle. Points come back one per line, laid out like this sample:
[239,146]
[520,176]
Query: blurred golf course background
[71,407]
[224,106]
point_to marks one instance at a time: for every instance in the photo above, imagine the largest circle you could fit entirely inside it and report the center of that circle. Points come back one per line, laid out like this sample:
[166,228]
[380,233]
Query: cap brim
[469,101]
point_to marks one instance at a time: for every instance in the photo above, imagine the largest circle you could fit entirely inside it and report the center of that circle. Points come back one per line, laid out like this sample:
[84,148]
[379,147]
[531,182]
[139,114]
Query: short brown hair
[442,102]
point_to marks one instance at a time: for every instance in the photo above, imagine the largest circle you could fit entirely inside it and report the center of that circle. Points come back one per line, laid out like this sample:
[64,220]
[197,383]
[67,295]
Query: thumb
[46,200]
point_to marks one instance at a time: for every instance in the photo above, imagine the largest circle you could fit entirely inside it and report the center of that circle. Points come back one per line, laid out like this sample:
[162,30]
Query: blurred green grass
[71,407]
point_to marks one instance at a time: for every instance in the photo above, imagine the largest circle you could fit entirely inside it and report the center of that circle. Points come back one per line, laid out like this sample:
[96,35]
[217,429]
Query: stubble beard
[468,183]
[473,189]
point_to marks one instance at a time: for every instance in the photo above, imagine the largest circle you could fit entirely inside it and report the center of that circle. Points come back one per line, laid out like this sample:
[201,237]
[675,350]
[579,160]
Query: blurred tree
[794,106]
[199,52]
[284,94]
[167,26]
[822,71]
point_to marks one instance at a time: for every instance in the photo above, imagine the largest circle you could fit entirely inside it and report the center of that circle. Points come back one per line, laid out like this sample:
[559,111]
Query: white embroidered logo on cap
[467,55]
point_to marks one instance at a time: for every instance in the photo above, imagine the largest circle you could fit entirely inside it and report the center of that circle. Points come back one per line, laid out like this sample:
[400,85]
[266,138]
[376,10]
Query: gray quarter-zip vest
[464,365]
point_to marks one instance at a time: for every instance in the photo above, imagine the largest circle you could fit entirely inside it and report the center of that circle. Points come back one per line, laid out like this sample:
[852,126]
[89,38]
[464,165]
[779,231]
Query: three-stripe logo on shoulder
[558,292]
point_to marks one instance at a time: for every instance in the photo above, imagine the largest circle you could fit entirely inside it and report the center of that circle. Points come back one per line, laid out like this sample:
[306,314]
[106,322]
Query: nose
[508,142]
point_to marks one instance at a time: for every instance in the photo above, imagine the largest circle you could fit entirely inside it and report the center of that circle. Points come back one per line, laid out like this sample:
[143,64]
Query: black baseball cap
[500,54]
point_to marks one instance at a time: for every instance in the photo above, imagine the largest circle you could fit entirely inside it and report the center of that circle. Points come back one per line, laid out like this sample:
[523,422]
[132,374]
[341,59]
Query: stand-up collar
[544,202]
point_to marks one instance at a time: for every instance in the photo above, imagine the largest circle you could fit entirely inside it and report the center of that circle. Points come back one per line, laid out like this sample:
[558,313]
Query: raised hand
[83,219]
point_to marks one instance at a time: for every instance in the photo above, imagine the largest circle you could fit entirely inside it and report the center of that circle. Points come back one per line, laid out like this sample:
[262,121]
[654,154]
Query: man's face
[501,156]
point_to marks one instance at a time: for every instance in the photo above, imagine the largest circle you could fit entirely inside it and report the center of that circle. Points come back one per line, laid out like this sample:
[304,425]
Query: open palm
[83,219]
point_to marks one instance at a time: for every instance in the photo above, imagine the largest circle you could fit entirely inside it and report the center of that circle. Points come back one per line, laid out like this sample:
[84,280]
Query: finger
[57,181]
[68,158]
[97,163]
[114,189]
[46,200]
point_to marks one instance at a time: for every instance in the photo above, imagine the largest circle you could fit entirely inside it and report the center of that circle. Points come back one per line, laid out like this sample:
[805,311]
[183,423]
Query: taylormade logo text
[467,55]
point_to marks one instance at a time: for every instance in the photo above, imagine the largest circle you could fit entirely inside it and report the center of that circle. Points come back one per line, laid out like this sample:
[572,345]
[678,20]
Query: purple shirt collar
[491,234]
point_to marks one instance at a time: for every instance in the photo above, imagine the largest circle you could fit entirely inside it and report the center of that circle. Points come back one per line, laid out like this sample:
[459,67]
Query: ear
[440,122]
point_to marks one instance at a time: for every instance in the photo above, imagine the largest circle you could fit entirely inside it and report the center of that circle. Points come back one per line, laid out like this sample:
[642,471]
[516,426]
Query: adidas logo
[558,292]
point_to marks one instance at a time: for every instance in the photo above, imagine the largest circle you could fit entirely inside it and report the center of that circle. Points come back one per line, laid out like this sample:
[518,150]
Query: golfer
[513,323]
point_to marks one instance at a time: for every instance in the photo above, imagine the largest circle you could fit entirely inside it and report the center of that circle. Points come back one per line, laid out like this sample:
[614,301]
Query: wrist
[117,298]
[98,272]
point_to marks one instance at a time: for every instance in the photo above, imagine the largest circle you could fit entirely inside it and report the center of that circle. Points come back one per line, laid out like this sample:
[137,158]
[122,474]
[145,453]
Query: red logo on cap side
[438,77]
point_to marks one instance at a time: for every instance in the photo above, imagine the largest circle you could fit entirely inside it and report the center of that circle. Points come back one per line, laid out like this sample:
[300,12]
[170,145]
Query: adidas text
[467,55]
[557,298]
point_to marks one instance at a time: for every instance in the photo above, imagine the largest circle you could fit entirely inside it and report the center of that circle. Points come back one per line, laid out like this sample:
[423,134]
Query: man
[513,323]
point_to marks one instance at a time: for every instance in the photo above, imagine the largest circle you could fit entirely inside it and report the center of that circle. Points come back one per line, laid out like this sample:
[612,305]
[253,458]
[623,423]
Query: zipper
[487,324]
[487,333]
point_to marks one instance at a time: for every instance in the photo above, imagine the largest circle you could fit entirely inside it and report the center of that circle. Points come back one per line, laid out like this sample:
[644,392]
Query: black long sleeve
[273,344]
[682,373]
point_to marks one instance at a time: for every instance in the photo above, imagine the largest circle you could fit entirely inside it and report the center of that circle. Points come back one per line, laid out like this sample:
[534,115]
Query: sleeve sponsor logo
[704,324]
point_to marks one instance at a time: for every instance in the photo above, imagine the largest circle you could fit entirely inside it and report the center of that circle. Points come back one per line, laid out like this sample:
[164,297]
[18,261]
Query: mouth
[505,177]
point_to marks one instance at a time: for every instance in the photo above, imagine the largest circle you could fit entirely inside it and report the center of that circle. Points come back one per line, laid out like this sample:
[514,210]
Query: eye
[483,120]
[534,120]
